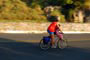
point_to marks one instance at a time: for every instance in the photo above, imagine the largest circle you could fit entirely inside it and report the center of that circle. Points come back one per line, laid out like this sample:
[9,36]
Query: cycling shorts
[50,32]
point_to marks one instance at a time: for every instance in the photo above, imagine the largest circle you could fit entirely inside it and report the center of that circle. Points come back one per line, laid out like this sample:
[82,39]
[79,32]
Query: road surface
[25,47]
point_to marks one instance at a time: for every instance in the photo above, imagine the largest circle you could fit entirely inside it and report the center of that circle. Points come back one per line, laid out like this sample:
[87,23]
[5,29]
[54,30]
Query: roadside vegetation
[33,10]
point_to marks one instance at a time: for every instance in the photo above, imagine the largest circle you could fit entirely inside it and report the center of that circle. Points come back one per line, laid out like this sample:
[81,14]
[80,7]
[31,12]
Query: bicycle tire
[44,46]
[62,43]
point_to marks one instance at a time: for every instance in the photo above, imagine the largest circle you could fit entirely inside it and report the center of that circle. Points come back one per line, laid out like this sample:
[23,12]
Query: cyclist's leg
[52,37]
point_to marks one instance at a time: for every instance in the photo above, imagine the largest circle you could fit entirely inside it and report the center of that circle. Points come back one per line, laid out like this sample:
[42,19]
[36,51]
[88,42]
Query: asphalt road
[25,47]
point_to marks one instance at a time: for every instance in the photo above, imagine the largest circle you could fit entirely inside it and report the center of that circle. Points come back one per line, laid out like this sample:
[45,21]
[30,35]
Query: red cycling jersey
[52,27]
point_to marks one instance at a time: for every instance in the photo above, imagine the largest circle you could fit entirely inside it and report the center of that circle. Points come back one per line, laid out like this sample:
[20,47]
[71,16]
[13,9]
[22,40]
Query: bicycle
[59,43]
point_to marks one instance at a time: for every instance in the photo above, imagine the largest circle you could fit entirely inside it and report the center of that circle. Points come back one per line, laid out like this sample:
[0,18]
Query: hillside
[34,10]
[18,9]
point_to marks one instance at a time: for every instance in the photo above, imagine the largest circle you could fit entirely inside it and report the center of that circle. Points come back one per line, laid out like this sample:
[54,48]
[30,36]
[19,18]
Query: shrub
[18,10]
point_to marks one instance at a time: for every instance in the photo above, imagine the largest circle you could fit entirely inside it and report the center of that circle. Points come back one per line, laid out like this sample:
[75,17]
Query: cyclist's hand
[62,33]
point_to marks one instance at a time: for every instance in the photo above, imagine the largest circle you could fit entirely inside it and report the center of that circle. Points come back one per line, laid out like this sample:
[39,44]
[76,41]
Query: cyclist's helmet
[54,18]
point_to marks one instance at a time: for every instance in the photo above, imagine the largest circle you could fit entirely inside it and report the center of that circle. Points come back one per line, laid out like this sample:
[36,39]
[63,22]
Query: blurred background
[76,11]
[32,15]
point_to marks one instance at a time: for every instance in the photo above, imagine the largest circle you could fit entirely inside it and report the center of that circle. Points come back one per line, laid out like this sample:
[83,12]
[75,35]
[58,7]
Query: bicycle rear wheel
[43,45]
[62,43]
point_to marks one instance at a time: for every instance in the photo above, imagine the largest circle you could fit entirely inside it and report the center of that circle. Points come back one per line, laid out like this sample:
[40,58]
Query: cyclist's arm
[60,28]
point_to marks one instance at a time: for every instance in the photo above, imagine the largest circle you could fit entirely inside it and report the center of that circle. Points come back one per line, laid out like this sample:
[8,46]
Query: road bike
[45,42]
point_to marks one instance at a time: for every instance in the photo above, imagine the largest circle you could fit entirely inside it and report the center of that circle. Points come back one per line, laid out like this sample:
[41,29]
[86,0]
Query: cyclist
[52,29]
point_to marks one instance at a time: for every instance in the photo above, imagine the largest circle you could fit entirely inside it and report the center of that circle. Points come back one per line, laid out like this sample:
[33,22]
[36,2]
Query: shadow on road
[12,50]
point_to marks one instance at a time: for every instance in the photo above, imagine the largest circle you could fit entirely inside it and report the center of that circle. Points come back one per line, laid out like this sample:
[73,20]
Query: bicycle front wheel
[62,43]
